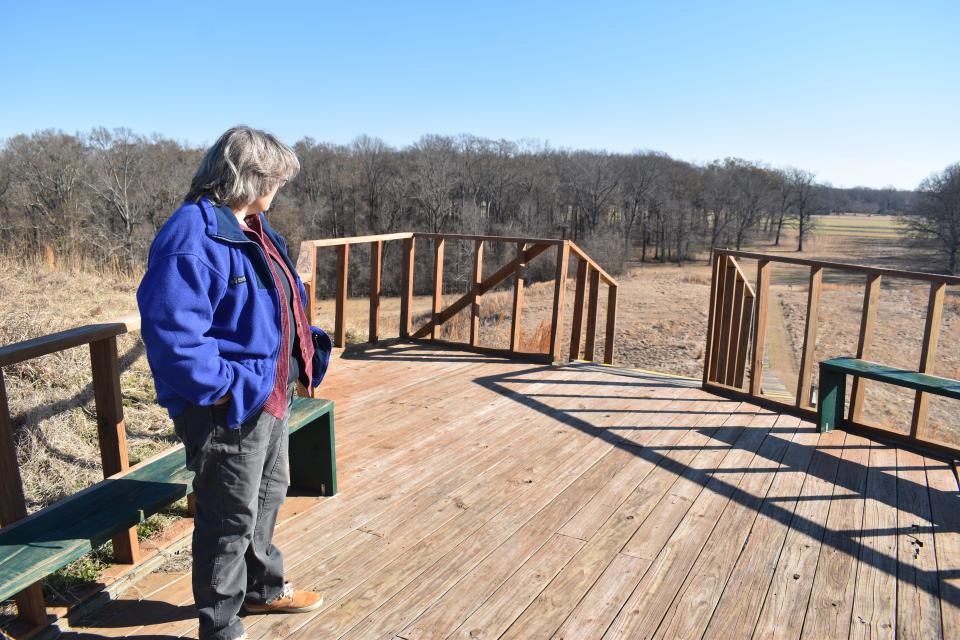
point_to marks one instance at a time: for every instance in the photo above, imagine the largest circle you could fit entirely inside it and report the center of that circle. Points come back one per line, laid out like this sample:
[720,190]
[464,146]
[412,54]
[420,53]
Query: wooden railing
[111,432]
[737,326]
[589,276]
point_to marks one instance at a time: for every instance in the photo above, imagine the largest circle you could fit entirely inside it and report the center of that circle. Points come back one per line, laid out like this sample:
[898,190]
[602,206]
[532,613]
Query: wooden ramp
[488,498]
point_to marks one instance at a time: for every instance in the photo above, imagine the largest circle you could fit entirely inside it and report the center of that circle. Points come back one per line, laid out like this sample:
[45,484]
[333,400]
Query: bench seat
[34,547]
[832,389]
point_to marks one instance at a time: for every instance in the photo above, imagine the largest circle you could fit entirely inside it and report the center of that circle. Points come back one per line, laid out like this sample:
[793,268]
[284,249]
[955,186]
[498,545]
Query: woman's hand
[223,400]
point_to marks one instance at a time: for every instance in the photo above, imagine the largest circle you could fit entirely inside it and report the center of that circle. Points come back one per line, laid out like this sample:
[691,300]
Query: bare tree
[803,201]
[938,213]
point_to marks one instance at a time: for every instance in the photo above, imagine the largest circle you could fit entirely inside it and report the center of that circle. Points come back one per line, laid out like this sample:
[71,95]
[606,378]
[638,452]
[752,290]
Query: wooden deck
[488,498]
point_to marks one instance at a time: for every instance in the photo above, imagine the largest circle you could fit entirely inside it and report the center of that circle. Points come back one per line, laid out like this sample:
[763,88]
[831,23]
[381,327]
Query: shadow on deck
[484,498]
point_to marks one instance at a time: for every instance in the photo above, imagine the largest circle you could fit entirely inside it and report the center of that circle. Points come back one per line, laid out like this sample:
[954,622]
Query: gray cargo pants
[240,481]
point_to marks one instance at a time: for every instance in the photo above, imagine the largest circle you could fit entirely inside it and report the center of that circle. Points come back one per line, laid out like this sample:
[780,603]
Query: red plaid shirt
[276,404]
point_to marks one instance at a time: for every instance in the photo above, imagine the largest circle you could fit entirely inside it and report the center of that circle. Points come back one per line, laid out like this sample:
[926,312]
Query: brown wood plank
[874,614]
[437,286]
[690,612]
[809,337]
[559,292]
[716,283]
[918,600]
[746,327]
[576,326]
[734,344]
[592,302]
[789,591]
[928,355]
[112,432]
[340,314]
[871,299]
[561,597]
[499,610]
[764,272]
[376,268]
[724,320]
[831,601]
[945,511]
[611,328]
[644,610]
[406,285]
[515,326]
[475,295]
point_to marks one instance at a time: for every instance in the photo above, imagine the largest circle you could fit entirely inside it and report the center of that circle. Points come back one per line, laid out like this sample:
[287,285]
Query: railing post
[726,318]
[611,323]
[111,431]
[13,507]
[343,262]
[760,326]
[809,336]
[311,292]
[376,266]
[928,354]
[475,301]
[871,295]
[592,302]
[437,286]
[406,286]
[518,298]
[711,319]
[577,327]
[559,291]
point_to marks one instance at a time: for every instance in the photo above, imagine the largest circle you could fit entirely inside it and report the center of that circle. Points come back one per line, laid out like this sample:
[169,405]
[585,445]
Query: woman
[227,338]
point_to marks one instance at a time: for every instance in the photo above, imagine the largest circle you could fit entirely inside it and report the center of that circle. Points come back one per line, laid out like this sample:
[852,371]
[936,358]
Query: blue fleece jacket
[210,313]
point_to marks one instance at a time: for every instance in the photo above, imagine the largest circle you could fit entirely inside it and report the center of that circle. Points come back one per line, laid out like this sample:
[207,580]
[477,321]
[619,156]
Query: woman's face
[263,202]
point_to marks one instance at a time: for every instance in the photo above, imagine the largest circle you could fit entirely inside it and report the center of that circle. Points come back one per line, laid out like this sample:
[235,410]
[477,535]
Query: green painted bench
[833,385]
[32,548]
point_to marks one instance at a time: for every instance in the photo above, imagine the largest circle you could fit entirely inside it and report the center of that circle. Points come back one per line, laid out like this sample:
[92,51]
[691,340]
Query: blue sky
[858,92]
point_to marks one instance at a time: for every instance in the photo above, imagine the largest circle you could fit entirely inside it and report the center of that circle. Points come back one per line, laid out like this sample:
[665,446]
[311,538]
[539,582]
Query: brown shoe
[290,601]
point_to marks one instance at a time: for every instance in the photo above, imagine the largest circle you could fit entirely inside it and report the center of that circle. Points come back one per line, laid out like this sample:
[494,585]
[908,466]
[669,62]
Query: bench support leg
[313,457]
[830,397]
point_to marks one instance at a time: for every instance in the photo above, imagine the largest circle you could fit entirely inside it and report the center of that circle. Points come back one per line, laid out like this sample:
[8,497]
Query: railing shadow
[840,475]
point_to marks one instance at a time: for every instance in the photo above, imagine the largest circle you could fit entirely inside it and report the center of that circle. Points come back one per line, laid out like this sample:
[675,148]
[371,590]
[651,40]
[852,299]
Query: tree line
[105,193]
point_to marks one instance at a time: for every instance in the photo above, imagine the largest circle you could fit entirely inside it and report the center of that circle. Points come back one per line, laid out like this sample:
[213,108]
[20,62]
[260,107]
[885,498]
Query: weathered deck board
[488,498]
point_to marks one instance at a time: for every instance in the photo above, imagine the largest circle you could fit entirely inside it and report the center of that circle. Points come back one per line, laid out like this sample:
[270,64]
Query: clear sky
[860,92]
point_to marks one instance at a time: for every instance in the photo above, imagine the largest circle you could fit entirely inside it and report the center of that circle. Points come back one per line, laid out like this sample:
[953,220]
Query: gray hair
[241,166]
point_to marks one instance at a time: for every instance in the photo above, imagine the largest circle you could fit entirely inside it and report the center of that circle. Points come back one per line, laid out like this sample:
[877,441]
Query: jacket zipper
[276,351]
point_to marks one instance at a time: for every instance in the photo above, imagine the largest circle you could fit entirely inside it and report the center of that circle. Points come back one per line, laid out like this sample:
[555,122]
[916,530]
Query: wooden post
[340,325]
[725,320]
[578,297]
[475,302]
[13,507]
[406,286]
[720,312]
[437,286]
[760,326]
[928,355]
[809,336]
[559,291]
[729,363]
[590,342]
[111,431]
[376,266]
[611,323]
[711,313]
[871,296]
[518,298]
[311,292]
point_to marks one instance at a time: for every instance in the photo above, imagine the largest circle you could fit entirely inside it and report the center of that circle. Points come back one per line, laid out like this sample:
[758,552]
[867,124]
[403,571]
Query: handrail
[527,249]
[753,338]
[841,266]
[53,342]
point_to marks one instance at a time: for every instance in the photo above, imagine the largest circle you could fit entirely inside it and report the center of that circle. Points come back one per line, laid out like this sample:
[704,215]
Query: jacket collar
[222,221]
